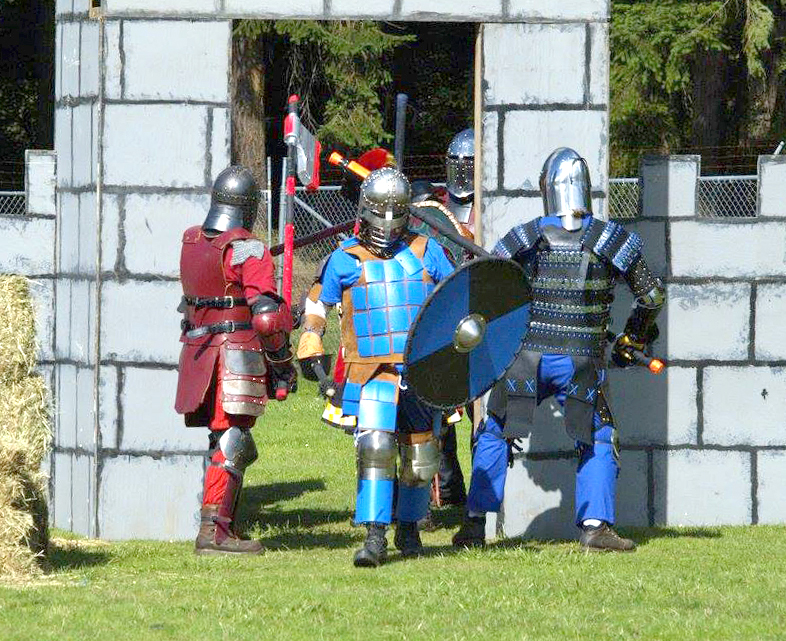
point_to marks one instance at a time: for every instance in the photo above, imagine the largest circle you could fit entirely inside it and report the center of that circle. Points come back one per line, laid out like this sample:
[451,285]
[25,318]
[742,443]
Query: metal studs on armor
[460,164]
[233,202]
[383,209]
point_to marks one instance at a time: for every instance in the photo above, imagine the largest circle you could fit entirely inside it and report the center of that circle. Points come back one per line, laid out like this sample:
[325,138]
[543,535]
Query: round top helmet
[383,209]
[566,188]
[460,164]
[234,200]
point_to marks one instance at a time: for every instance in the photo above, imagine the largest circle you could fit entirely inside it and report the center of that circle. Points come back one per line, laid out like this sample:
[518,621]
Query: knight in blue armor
[378,280]
[572,261]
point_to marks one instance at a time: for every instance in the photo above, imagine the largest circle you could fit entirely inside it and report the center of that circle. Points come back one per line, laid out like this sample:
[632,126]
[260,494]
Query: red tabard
[219,374]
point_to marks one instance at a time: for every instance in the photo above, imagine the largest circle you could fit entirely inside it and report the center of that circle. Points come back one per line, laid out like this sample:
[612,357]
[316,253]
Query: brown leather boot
[216,535]
[604,539]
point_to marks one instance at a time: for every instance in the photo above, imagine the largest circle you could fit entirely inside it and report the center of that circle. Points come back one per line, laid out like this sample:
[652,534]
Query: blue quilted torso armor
[386,300]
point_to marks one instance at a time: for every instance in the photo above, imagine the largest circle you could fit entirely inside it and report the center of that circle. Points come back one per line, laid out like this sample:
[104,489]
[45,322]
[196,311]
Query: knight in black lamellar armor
[572,261]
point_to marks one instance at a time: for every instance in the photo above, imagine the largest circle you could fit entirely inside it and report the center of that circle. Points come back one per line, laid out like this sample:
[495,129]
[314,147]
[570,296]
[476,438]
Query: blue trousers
[598,467]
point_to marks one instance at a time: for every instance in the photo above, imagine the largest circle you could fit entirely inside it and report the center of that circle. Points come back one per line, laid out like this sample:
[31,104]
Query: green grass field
[716,583]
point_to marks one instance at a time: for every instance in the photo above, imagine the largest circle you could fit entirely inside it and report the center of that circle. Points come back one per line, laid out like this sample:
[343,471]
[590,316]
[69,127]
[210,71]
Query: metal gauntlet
[650,297]
[273,321]
[640,329]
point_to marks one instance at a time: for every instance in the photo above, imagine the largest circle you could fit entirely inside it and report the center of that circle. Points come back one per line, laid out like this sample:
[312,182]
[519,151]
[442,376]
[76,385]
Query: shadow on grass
[293,528]
[309,539]
[642,536]
[64,555]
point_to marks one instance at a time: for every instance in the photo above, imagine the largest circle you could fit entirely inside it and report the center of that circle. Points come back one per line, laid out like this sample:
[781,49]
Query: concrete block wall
[143,121]
[142,110]
[546,85]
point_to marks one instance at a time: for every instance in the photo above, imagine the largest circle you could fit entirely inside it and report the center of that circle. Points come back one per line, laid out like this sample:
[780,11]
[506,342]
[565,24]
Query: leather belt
[216,302]
[224,327]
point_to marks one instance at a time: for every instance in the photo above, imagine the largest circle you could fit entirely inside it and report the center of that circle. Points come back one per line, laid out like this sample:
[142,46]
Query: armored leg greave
[376,459]
[419,462]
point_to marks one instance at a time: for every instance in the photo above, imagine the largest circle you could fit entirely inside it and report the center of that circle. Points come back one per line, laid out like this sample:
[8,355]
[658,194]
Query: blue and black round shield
[468,332]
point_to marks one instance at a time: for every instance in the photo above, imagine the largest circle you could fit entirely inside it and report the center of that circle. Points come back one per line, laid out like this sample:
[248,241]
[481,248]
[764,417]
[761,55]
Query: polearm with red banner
[303,151]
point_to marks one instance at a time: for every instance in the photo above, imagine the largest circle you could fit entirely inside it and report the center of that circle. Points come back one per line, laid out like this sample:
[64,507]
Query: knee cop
[376,455]
[238,447]
[419,458]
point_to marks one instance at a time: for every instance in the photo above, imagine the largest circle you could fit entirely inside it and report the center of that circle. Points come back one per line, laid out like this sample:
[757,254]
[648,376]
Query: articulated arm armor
[640,329]
[273,322]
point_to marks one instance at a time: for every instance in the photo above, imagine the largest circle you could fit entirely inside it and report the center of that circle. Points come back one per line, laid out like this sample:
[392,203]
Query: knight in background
[379,279]
[235,348]
[572,261]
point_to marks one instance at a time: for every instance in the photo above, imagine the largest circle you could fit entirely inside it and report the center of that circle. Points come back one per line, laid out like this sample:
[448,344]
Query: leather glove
[283,377]
[329,388]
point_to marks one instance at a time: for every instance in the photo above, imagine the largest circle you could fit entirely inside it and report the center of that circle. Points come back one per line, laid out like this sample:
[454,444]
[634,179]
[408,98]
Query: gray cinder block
[140,322]
[83,145]
[134,153]
[376,8]
[669,185]
[107,407]
[450,10]
[154,227]
[69,61]
[543,132]
[113,68]
[174,7]
[744,405]
[176,60]
[219,142]
[490,147]
[43,295]
[771,194]
[88,60]
[502,213]
[709,321]
[567,10]
[295,8]
[702,488]
[632,507]
[771,467]
[599,64]
[40,182]
[110,231]
[26,245]
[746,250]
[73,506]
[770,312]
[655,410]
[525,69]
[63,116]
[149,418]
[539,498]
[132,505]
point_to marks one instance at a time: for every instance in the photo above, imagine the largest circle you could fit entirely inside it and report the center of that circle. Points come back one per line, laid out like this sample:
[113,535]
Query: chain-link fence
[623,201]
[12,203]
[315,211]
[718,197]
[727,197]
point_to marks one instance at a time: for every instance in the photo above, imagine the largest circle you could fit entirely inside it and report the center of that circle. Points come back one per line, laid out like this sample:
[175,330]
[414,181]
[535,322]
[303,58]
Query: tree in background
[27,34]
[694,73]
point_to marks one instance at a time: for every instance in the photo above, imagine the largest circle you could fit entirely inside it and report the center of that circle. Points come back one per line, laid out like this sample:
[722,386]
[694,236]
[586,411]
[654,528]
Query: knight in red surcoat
[236,349]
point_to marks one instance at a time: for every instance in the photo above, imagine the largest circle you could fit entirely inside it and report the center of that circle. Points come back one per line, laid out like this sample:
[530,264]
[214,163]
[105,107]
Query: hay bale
[25,436]
[17,329]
